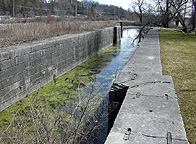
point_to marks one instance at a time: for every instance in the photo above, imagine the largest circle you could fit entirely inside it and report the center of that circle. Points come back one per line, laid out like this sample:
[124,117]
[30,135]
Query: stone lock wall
[26,68]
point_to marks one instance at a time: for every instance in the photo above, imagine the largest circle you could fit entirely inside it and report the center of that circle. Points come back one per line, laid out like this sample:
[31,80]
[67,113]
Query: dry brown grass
[17,33]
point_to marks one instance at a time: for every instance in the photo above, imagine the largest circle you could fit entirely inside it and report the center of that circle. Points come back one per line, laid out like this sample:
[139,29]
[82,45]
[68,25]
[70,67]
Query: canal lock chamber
[82,104]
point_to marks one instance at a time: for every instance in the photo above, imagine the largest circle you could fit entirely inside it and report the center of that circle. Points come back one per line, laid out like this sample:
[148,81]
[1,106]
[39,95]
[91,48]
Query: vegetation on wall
[67,110]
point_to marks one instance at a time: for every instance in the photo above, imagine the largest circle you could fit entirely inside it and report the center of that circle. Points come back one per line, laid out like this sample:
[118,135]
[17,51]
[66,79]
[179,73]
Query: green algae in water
[60,91]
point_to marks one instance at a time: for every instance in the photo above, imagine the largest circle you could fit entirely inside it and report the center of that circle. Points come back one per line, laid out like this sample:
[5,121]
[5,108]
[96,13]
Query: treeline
[67,8]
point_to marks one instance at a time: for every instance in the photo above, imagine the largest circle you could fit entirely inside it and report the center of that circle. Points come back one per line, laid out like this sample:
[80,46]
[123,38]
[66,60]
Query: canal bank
[150,112]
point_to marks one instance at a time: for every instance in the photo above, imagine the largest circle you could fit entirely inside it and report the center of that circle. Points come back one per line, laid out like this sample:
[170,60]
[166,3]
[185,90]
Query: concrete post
[115,36]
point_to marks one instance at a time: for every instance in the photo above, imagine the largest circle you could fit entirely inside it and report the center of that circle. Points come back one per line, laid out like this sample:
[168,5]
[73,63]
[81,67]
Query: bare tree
[139,7]
[179,8]
[164,10]
[98,11]
[173,10]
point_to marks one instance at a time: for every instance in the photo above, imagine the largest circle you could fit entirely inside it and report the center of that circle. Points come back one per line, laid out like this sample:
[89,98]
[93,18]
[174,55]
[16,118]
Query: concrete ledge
[150,112]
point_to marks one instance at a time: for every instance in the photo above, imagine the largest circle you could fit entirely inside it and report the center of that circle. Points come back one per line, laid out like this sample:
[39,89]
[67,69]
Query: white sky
[120,3]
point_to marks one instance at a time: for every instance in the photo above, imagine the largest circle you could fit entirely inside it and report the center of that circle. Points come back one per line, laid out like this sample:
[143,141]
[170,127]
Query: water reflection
[107,75]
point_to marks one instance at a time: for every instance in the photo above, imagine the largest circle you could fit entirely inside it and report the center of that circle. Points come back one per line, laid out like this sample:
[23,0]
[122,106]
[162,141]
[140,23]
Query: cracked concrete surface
[150,113]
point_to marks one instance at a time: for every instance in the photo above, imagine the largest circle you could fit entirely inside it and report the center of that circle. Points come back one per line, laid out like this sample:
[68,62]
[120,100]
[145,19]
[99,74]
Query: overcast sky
[123,3]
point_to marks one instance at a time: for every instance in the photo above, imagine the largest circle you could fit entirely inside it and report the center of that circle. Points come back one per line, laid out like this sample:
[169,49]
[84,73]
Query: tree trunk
[182,22]
[193,21]
[167,14]
[141,21]
[193,16]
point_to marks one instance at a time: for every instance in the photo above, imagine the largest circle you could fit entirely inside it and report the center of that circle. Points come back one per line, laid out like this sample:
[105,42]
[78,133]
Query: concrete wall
[26,68]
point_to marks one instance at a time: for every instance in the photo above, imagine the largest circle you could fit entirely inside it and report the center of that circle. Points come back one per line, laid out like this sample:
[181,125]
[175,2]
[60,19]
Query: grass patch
[178,56]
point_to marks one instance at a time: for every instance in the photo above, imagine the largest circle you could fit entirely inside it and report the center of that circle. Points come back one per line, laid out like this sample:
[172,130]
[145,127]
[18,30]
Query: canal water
[74,105]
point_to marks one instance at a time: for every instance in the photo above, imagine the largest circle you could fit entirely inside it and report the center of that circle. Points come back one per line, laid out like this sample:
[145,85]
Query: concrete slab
[150,113]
